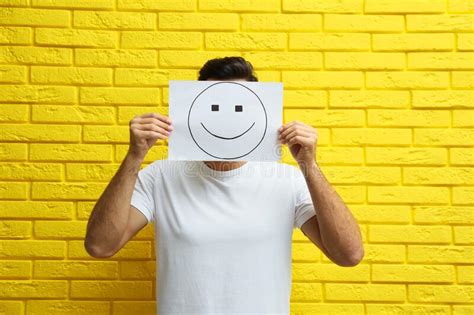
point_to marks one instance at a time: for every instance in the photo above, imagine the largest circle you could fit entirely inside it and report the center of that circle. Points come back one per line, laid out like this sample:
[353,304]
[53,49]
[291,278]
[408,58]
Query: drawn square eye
[215,108]
[239,108]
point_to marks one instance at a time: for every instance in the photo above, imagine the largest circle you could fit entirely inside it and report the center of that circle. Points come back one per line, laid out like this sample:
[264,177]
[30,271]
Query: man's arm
[334,229]
[113,220]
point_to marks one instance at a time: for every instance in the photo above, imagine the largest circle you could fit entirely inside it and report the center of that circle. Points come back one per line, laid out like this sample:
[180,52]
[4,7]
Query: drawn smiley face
[227,120]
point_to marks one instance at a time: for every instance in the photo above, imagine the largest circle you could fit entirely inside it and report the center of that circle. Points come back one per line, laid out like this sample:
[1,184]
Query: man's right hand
[145,130]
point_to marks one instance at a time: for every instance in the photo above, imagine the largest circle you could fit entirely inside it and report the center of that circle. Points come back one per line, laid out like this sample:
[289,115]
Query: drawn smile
[228,138]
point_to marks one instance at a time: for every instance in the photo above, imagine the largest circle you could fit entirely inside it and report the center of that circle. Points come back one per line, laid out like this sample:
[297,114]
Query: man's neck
[224,166]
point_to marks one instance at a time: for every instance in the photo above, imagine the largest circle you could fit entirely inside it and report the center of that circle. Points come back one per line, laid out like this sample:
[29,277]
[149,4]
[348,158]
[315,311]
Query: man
[223,229]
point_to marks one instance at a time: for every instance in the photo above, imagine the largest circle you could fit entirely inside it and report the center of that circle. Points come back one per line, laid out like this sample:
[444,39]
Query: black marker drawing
[239,109]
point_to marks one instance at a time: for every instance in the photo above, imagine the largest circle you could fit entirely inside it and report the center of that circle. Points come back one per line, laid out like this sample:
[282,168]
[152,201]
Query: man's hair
[227,68]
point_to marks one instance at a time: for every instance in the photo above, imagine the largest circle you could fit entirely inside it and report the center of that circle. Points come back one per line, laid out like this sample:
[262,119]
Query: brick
[240,5]
[462,79]
[435,176]
[371,136]
[127,307]
[465,274]
[305,252]
[365,292]
[411,194]
[339,156]
[198,21]
[304,98]
[351,194]
[67,191]
[13,113]
[463,195]
[157,152]
[330,272]
[364,61]
[106,134]
[381,253]
[407,80]
[60,229]
[364,23]
[443,99]
[84,209]
[325,118]
[71,75]
[37,94]
[31,249]
[126,113]
[413,273]
[281,22]
[33,289]
[463,118]
[285,60]
[463,235]
[74,38]
[11,190]
[440,254]
[35,210]
[15,269]
[115,57]
[35,55]
[444,137]
[406,156]
[373,308]
[441,294]
[39,133]
[465,42]
[81,4]
[461,156]
[12,307]
[90,172]
[70,152]
[405,6]
[13,151]
[369,99]
[463,309]
[34,17]
[250,41]
[190,59]
[15,229]
[381,213]
[16,35]
[444,215]
[460,6]
[413,42]
[133,250]
[168,40]
[323,79]
[73,114]
[30,171]
[141,77]
[138,270]
[409,234]
[362,175]
[14,3]
[329,41]
[440,60]
[126,290]
[327,308]
[408,118]
[48,269]
[114,20]
[120,95]
[344,6]
[158,5]
[439,22]
[67,307]
[307,292]
[12,74]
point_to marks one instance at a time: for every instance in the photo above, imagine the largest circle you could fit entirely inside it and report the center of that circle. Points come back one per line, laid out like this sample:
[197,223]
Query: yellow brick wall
[387,83]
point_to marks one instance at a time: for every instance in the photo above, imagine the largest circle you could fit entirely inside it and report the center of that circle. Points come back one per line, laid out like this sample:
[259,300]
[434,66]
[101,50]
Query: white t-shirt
[223,238]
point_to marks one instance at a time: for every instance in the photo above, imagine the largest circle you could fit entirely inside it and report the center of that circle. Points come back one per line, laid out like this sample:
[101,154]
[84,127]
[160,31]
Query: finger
[299,140]
[163,118]
[155,121]
[150,134]
[290,129]
[297,132]
[286,126]
[153,127]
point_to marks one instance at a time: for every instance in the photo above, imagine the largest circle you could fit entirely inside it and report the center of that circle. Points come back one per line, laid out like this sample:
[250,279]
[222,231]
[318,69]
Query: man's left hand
[301,139]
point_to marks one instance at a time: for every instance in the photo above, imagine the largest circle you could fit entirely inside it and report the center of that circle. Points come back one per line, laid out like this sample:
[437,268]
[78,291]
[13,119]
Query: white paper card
[225,120]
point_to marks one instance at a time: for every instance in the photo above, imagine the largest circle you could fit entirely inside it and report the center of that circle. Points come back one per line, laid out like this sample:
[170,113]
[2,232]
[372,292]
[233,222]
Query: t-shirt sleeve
[143,192]
[304,208]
